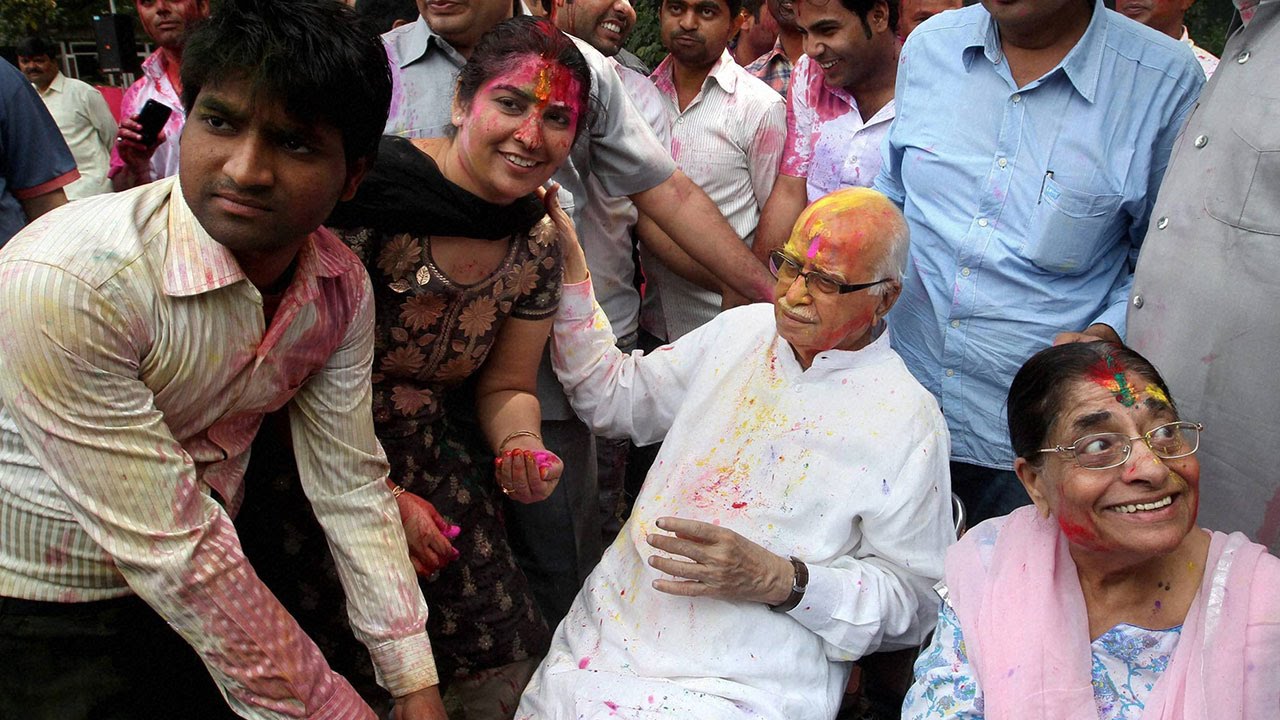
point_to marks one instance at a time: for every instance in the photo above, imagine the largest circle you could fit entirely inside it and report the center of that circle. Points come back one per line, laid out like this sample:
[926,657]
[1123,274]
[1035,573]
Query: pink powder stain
[543,458]
[650,699]
[453,531]
[1269,533]
[583,663]
[739,505]
[613,706]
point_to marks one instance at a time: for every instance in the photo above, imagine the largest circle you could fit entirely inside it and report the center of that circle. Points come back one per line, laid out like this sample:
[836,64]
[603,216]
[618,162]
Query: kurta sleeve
[616,394]
[880,595]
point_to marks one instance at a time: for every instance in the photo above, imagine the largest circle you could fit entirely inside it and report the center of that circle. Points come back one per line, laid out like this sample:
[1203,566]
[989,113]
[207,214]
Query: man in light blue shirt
[1030,140]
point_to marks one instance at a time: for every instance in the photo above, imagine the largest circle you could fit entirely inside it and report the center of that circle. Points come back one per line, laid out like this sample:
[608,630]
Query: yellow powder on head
[1153,391]
[836,226]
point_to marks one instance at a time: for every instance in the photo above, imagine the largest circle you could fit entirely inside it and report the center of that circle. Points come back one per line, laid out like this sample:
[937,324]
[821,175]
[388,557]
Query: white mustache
[802,313]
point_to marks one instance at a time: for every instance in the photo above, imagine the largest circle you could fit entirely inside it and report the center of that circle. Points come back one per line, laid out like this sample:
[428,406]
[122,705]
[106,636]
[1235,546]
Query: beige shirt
[86,124]
[135,368]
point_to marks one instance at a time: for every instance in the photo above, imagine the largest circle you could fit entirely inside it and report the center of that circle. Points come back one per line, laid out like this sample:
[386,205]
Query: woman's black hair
[314,55]
[1039,390]
[514,38]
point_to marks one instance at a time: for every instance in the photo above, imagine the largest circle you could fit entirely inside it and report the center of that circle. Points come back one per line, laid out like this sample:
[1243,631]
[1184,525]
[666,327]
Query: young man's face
[841,42]
[603,24]
[696,32]
[259,180]
[39,69]
[167,21]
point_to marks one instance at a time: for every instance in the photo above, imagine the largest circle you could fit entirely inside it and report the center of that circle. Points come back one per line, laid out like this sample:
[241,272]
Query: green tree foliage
[645,41]
[19,18]
[1207,21]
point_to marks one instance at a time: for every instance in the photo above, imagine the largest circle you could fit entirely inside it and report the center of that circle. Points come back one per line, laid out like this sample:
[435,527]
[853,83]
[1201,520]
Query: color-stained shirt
[842,465]
[136,372]
[1208,61]
[728,140]
[34,159]
[774,68]
[828,143]
[86,124]
[154,85]
[1026,205]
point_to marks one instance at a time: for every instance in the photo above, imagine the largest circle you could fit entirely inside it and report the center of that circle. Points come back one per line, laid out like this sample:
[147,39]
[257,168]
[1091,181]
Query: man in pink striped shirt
[143,335]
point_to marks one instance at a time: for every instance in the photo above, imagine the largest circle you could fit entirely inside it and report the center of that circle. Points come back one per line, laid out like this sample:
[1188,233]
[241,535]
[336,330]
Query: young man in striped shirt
[145,334]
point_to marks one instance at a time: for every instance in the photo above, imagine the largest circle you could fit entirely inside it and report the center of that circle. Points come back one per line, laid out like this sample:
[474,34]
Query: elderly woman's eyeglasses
[1101,451]
[787,270]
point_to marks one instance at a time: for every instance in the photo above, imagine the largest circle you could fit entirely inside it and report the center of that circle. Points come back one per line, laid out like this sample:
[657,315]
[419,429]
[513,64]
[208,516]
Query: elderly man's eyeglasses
[787,270]
[1101,451]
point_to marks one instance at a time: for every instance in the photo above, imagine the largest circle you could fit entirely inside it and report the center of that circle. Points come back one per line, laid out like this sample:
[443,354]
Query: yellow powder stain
[542,91]
[1153,391]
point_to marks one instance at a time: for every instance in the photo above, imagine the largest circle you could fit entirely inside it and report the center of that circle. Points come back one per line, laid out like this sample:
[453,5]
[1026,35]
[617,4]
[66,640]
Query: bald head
[851,249]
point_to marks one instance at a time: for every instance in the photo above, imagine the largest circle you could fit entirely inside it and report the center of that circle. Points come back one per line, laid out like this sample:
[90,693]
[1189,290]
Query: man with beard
[133,163]
[727,137]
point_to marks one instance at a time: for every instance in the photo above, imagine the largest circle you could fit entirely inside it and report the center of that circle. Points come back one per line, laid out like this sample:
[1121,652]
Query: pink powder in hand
[543,458]
[453,531]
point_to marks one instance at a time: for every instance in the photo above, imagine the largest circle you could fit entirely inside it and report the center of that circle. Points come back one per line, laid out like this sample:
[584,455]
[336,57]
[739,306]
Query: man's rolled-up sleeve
[343,472]
[69,379]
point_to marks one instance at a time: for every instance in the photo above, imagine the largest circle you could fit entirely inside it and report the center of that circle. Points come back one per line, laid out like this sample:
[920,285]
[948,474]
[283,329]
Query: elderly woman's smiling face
[1144,506]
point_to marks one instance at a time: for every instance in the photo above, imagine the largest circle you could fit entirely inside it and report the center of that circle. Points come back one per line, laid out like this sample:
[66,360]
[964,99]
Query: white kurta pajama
[843,465]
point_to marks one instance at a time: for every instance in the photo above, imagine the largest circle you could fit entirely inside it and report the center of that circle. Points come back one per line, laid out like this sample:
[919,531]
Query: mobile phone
[152,119]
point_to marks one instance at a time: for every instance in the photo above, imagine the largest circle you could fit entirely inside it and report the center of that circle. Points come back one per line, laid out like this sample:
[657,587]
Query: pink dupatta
[1015,590]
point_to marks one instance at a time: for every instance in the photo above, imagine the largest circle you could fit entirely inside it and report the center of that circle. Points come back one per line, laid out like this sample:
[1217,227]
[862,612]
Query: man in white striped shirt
[727,137]
[143,336]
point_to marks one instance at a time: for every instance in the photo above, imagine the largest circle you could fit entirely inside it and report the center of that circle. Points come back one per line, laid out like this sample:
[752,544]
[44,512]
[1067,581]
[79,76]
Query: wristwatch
[798,584]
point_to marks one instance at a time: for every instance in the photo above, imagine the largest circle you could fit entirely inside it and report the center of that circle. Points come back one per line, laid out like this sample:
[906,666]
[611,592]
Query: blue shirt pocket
[1070,229]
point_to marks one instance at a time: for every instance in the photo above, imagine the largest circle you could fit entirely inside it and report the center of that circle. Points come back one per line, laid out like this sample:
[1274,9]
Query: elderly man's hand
[1097,332]
[722,564]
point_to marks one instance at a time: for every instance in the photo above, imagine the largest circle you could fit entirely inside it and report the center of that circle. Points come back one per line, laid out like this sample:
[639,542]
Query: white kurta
[843,465]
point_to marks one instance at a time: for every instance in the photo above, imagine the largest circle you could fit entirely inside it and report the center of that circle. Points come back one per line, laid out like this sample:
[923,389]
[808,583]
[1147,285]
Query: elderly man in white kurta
[797,515]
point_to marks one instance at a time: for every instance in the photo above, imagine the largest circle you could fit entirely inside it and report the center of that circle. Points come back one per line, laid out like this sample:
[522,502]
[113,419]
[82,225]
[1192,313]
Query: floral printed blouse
[1127,662]
[433,333]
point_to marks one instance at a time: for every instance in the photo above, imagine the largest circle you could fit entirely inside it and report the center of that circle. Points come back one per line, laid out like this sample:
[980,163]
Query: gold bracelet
[397,491]
[519,433]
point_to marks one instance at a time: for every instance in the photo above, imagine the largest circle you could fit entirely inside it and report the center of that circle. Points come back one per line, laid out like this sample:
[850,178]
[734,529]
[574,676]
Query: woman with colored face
[466,272]
[1103,599]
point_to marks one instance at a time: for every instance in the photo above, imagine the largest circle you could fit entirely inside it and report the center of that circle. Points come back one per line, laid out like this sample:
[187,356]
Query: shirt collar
[724,72]
[195,263]
[154,66]
[58,83]
[414,43]
[1082,64]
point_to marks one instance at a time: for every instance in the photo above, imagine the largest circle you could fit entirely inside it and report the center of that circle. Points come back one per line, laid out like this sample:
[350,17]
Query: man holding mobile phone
[134,162]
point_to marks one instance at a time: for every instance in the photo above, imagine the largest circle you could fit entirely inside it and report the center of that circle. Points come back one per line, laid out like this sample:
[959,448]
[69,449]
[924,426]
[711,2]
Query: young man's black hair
[339,77]
[35,46]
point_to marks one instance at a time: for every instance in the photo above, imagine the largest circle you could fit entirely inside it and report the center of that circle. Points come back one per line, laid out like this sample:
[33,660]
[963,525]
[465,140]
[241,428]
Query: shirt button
[964,272]
[1017,97]
[1137,301]
[982,222]
[1201,141]
[680,120]
[955,323]
[951,373]
[1162,223]
[1002,162]
[1243,57]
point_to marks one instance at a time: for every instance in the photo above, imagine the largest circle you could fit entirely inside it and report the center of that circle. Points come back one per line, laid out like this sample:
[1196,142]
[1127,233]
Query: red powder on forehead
[1109,373]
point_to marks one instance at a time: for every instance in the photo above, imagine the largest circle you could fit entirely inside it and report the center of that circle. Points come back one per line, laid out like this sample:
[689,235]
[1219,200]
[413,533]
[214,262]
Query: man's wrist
[799,580]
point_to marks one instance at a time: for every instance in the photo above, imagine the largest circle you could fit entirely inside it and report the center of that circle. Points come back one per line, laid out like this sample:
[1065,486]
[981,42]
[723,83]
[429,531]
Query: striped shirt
[135,369]
[728,140]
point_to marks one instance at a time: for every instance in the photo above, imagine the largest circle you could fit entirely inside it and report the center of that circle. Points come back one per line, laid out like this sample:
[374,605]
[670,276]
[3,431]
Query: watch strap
[798,585]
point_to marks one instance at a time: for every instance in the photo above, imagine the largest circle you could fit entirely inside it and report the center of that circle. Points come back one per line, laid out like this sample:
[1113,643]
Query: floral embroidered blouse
[1127,662]
[432,332]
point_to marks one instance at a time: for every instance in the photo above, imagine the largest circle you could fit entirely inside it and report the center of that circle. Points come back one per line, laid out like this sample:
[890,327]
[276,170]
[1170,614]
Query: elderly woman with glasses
[1103,599]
